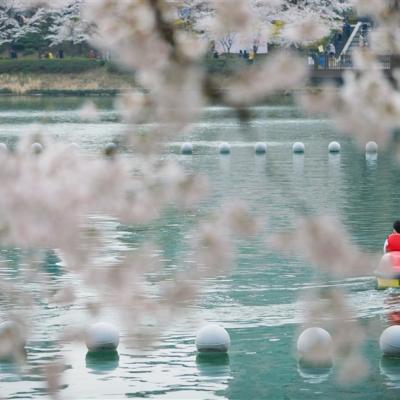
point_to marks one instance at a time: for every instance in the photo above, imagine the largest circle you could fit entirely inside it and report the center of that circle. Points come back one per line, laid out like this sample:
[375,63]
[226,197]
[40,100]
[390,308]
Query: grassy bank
[97,81]
[82,75]
[78,76]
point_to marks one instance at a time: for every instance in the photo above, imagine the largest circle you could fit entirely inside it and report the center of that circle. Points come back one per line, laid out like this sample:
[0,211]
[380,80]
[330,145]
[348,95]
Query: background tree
[18,23]
[68,26]
[305,20]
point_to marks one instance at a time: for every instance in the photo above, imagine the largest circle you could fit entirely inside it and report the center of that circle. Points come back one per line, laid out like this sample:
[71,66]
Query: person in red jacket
[392,242]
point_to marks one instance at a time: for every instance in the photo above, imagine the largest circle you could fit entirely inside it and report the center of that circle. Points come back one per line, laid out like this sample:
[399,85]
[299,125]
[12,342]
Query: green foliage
[73,65]
[30,43]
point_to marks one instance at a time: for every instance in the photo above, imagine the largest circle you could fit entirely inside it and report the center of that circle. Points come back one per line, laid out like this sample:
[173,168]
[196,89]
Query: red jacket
[393,242]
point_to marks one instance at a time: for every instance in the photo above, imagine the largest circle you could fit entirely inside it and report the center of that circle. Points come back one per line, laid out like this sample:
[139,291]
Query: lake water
[258,301]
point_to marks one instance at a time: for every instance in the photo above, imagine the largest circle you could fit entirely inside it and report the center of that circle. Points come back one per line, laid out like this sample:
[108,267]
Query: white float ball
[213,338]
[334,147]
[260,148]
[224,148]
[298,147]
[110,149]
[315,344]
[3,148]
[371,147]
[389,342]
[36,148]
[187,148]
[102,336]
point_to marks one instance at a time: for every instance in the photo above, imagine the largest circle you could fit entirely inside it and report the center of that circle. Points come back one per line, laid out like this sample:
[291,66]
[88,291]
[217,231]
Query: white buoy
[3,148]
[36,148]
[12,340]
[371,147]
[260,148]
[187,148]
[315,345]
[389,342]
[213,338]
[334,147]
[224,148]
[110,149]
[102,336]
[298,147]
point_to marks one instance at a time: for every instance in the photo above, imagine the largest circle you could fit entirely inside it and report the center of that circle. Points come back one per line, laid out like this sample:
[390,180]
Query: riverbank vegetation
[98,81]
[77,75]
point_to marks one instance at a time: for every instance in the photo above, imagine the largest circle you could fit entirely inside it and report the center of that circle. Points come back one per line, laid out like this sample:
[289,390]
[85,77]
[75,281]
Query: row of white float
[223,148]
[261,148]
[314,340]
[212,338]
[36,148]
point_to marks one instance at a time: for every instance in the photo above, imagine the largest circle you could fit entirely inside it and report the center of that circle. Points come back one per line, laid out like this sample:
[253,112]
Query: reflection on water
[390,369]
[371,159]
[225,163]
[313,374]
[260,161]
[213,365]
[100,362]
[334,164]
[257,301]
[298,164]
[392,308]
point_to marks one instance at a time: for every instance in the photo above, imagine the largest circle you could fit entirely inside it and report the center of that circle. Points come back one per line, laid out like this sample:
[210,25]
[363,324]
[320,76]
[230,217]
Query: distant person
[252,56]
[13,54]
[215,54]
[256,44]
[60,53]
[245,55]
[392,242]
[92,54]
[212,47]
[331,50]
[346,29]
[241,53]
[362,40]
[321,61]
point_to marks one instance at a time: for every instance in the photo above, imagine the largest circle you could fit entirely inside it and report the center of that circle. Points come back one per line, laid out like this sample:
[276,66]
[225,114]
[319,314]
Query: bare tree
[227,41]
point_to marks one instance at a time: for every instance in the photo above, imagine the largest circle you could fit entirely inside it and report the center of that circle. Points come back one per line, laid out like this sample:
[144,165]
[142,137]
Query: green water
[258,301]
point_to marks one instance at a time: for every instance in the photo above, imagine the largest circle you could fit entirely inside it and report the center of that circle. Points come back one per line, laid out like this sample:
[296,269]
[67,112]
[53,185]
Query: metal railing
[325,62]
[350,39]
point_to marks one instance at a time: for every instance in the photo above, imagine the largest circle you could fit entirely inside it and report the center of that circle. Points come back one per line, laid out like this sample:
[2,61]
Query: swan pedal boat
[388,272]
